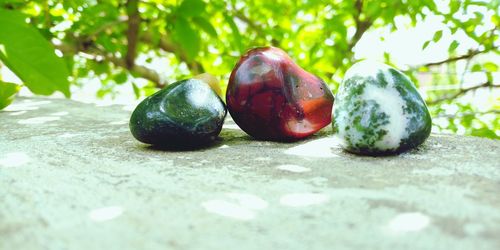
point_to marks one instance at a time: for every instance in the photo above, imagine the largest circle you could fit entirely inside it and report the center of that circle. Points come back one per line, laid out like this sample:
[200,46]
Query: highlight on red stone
[272,98]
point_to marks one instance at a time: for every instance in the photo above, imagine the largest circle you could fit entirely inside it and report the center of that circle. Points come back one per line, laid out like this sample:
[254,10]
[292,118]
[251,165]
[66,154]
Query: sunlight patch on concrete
[293,168]
[26,105]
[105,213]
[321,148]
[408,222]
[14,159]
[39,120]
[238,206]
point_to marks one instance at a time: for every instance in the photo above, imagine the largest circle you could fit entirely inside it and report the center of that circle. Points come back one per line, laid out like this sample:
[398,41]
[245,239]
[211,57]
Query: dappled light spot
[24,106]
[249,201]
[303,199]
[224,146]
[39,120]
[105,213]
[14,159]
[63,113]
[67,135]
[239,206]
[123,122]
[263,159]
[322,148]
[293,168]
[18,113]
[231,126]
[228,209]
[408,222]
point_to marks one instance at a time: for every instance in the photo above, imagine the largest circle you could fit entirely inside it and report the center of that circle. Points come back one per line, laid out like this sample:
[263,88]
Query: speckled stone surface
[73,177]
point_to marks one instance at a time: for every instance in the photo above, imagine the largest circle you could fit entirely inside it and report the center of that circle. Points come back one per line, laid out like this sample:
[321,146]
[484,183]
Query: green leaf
[120,78]
[426,44]
[453,46]
[387,57]
[491,67]
[137,91]
[476,68]
[24,51]
[189,8]
[186,37]
[206,26]
[7,93]
[235,31]
[437,36]
[489,77]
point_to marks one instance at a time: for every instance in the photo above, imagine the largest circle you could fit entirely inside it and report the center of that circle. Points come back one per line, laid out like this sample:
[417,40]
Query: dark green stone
[187,113]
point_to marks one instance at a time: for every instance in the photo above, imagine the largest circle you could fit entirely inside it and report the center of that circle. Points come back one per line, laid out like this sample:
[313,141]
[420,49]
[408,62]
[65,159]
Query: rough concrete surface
[73,177]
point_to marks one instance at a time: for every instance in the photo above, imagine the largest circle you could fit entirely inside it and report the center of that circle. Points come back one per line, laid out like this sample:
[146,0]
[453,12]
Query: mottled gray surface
[72,177]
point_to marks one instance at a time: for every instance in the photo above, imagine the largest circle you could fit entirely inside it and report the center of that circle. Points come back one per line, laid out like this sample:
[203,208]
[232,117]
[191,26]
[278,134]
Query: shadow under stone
[183,147]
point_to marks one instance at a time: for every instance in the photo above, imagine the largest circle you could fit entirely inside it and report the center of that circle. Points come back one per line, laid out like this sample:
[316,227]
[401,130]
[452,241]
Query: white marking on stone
[18,113]
[408,222]
[261,69]
[25,106]
[224,146]
[228,209]
[392,104]
[231,126]
[303,199]
[293,168]
[198,97]
[249,201]
[14,159]
[63,113]
[39,120]
[322,148]
[105,213]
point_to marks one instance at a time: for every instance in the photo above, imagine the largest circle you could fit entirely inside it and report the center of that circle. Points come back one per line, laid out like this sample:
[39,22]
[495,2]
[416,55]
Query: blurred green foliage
[119,42]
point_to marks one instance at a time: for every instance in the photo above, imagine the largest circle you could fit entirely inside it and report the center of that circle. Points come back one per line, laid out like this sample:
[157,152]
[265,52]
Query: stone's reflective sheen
[272,98]
[378,110]
[185,113]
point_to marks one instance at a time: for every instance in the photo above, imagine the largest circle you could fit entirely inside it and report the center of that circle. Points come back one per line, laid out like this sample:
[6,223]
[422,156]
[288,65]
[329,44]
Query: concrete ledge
[72,177]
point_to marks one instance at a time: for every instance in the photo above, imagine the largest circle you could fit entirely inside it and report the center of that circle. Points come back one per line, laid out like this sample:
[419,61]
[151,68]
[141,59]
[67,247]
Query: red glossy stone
[272,98]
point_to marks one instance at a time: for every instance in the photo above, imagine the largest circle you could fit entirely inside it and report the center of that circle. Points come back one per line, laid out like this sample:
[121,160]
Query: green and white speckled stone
[379,111]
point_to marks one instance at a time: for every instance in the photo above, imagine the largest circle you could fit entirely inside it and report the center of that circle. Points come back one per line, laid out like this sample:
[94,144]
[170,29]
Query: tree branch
[472,53]
[164,44]
[167,45]
[132,32]
[106,26]
[462,92]
[100,55]
[459,115]
[361,25]
[260,32]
